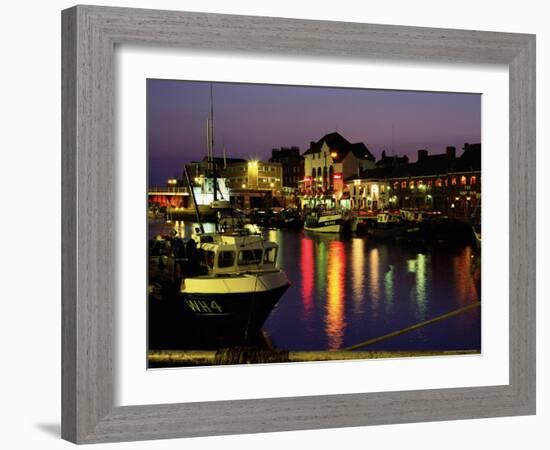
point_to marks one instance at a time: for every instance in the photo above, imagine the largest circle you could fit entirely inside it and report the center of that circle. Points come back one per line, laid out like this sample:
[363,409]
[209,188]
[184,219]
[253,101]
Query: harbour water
[349,289]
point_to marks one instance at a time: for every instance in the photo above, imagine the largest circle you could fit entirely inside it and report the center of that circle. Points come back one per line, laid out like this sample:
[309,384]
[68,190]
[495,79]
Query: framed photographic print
[287,222]
[251,260]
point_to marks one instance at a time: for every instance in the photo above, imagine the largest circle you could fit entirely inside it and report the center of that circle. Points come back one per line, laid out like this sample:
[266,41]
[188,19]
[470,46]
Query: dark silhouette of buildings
[292,162]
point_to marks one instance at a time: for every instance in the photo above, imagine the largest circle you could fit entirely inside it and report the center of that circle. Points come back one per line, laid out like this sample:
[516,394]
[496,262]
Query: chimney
[451,152]
[422,154]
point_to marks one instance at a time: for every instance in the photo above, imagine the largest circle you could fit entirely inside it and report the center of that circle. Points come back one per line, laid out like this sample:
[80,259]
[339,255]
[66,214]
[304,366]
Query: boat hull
[326,224]
[329,228]
[234,303]
[233,311]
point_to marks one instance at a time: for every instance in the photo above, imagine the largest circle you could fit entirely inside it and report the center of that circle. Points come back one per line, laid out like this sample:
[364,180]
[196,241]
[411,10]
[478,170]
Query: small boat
[405,225]
[186,214]
[387,226]
[230,278]
[327,221]
[291,218]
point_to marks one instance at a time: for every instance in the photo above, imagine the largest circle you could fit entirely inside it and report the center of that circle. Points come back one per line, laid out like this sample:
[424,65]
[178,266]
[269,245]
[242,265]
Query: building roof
[470,160]
[335,141]
[377,173]
[437,164]
[392,161]
[430,165]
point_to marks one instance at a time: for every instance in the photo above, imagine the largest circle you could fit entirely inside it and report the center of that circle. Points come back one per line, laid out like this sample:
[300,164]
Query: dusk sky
[250,120]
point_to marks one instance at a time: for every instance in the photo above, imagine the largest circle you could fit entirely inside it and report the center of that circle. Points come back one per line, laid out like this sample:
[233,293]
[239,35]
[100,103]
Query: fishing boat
[327,221]
[406,225]
[387,226]
[231,278]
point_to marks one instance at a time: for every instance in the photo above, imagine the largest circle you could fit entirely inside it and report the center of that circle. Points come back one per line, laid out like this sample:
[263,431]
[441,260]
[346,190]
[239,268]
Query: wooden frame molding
[90,34]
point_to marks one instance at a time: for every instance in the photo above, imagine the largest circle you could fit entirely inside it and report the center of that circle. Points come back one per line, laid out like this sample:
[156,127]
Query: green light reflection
[418,267]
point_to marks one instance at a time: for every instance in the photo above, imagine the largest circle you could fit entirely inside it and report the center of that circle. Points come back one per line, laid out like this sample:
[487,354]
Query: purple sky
[250,120]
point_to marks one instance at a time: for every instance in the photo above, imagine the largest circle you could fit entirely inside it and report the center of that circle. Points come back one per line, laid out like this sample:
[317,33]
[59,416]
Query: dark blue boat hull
[232,312]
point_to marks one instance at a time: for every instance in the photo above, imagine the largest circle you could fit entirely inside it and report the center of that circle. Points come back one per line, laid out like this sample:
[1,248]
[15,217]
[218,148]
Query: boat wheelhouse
[237,282]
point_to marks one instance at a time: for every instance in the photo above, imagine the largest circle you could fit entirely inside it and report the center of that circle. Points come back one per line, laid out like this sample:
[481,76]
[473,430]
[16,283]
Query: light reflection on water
[347,290]
[335,322]
[357,271]
[307,276]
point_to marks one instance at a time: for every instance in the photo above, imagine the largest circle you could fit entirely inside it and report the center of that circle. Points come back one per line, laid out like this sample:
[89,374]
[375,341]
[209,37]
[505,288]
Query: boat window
[209,258]
[247,257]
[270,255]
[226,259]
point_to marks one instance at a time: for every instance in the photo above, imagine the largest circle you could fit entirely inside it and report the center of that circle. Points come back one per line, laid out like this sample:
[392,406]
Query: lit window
[453,181]
[396,184]
[463,180]
[411,184]
[473,179]
[403,184]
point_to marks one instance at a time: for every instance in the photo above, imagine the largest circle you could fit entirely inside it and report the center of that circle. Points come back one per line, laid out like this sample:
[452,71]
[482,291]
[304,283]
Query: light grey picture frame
[90,34]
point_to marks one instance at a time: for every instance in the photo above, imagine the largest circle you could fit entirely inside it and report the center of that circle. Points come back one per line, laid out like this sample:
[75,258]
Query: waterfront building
[245,183]
[293,172]
[292,164]
[254,184]
[439,182]
[327,163]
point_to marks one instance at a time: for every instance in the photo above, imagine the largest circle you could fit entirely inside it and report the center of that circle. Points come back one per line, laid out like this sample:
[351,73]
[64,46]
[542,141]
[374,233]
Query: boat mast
[212,143]
[188,178]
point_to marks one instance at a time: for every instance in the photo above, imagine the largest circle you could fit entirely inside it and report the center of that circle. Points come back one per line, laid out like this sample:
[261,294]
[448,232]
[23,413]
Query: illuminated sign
[337,176]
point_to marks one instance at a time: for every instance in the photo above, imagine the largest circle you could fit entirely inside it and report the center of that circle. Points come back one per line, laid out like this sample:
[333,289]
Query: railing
[167,190]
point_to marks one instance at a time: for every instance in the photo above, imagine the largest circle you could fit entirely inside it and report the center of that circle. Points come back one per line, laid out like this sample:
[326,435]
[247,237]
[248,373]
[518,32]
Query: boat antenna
[208,159]
[193,197]
[212,143]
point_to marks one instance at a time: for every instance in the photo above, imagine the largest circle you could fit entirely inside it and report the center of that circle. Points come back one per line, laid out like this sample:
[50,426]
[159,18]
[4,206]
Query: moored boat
[206,212]
[327,221]
[231,279]
[392,226]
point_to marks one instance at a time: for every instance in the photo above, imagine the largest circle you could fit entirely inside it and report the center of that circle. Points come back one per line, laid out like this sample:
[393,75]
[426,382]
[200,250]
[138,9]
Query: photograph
[296,224]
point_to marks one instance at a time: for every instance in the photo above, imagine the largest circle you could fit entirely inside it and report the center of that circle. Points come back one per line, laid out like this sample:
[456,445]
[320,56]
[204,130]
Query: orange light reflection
[335,319]
[307,265]
[358,274]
